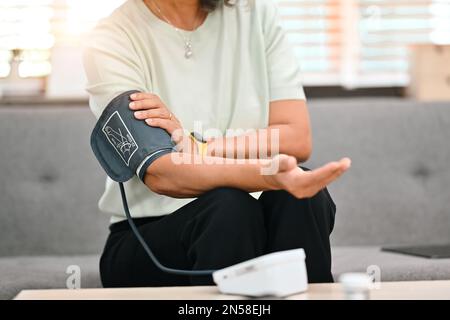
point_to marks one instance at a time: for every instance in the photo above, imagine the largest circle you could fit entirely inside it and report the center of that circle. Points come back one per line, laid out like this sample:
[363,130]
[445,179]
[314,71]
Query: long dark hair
[211,5]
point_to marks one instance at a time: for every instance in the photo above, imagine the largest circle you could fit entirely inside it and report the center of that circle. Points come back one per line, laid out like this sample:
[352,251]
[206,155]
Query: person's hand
[150,108]
[154,112]
[304,184]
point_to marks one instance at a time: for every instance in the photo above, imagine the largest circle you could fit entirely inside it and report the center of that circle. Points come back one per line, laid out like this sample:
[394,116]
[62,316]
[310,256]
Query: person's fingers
[325,182]
[322,177]
[330,169]
[152,113]
[343,165]
[308,183]
[346,163]
[146,104]
[166,124]
[142,96]
[322,173]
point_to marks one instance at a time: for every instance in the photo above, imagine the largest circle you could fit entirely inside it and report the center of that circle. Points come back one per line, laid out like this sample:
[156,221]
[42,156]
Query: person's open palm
[305,184]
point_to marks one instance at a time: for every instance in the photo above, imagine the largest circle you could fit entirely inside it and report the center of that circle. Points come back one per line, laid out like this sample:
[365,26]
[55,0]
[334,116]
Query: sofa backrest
[398,190]
[50,182]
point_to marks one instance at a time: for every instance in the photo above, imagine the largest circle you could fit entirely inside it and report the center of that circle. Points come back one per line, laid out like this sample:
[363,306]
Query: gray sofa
[397,192]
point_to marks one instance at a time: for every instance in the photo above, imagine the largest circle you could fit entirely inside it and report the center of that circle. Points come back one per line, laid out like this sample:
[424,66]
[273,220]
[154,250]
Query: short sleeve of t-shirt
[282,64]
[112,66]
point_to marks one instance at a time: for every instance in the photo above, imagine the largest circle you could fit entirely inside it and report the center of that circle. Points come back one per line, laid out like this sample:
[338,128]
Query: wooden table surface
[386,290]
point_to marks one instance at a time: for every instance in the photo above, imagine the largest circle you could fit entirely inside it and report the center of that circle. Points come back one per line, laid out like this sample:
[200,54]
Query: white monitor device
[278,274]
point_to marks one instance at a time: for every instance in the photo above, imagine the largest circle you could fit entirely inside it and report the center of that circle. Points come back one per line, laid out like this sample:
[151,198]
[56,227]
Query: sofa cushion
[392,266]
[45,272]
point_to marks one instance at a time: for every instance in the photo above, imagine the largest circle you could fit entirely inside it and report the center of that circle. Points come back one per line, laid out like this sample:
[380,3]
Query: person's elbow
[166,185]
[304,150]
[158,184]
[301,148]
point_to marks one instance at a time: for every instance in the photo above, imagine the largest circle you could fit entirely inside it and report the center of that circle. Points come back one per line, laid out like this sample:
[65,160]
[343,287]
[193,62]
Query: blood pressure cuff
[121,142]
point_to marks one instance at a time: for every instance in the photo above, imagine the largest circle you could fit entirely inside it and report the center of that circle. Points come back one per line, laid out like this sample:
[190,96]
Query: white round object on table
[356,286]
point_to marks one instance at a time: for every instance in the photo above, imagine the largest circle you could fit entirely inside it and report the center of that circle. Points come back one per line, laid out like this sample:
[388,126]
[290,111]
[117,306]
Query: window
[29,29]
[25,37]
[362,43]
[351,43]
[314,27]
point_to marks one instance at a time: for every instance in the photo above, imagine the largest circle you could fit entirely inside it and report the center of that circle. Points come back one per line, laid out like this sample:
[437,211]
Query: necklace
[186,39]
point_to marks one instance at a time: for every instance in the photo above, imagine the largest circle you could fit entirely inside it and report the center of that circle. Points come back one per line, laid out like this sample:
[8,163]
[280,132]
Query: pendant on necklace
[188,50]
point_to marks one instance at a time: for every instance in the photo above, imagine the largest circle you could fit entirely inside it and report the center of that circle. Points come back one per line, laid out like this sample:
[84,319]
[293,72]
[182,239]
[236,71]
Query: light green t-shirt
[241,62]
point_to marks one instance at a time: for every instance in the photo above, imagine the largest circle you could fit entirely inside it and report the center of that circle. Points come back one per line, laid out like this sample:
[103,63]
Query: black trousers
[221,228]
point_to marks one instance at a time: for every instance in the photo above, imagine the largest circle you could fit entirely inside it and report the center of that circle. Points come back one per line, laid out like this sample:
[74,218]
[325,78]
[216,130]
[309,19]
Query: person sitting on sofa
[227,66]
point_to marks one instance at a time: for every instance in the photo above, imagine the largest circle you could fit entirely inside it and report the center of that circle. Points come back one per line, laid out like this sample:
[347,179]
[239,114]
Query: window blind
[314,28]
[362,43]
[388,28]
[350,43]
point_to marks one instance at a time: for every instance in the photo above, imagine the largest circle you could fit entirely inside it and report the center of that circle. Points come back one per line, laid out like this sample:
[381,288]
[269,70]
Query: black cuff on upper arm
[121,142]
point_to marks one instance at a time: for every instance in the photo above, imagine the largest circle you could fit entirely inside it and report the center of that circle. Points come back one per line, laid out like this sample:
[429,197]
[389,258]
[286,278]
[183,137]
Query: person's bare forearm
[288,132]
[262,143]
[189,179]
[185,179]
